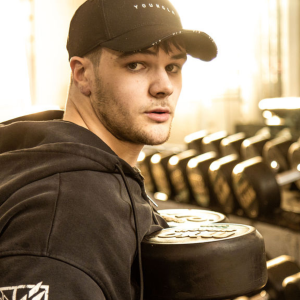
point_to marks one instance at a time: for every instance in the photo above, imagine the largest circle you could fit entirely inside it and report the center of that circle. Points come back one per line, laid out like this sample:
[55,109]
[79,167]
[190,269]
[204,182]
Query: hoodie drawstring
[137,232]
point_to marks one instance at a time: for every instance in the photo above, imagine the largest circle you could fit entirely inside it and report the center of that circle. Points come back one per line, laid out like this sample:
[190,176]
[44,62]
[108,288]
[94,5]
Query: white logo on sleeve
[25,292]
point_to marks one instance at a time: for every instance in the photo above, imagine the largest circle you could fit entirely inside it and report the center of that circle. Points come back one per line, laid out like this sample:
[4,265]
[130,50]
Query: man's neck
[80,111]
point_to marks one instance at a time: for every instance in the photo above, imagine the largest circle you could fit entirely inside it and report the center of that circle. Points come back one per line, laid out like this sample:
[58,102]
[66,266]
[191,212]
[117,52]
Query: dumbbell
[169,179]
[194,140]
[161,175]
[232,144]
[177,166]
[212,142]
[282,284]
[216,191]
[274,151]
[214,261]
[219,174]
[220,170]
[197,169]
[294,158]
[253,146]
[182,217]
[291,286]
[257,188]
[144,165]
[159,168]
[197,174]
[278,269]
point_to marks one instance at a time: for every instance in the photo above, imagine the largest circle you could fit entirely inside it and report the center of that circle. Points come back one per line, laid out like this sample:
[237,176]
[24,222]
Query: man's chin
[157,140]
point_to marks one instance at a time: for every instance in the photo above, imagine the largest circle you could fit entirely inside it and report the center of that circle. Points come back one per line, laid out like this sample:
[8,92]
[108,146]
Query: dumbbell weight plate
[291,285]
[294,158]
[220,176]
[253,146]
[275,153]
[197,174]
[212,142]
[194,140]
[255,187]
[182,217]
[278,269]
[159,168]
[215,261]
[177,170]
[232,144]
[144,166]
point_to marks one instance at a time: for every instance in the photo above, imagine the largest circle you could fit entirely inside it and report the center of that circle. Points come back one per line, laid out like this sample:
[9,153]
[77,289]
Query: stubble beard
[122,129]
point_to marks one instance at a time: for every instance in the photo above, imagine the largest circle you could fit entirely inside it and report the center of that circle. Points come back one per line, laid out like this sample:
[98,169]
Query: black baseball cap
[132,25]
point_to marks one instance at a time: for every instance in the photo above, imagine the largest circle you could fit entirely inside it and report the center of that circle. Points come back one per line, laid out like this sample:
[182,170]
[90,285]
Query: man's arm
[43,278]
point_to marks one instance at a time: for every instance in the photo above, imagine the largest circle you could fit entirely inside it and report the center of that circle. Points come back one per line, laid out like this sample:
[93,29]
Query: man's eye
[135,66]
[172,68]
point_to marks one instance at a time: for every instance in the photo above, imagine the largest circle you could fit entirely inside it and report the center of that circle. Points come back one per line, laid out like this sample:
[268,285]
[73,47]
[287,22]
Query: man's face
[135,95]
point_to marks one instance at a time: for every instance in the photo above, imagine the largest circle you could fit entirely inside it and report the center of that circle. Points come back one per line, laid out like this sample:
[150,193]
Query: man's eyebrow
[150,52]
[146,51]
[179,56]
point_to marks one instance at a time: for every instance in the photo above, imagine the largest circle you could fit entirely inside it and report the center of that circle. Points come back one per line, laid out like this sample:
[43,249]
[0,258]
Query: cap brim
[198,44]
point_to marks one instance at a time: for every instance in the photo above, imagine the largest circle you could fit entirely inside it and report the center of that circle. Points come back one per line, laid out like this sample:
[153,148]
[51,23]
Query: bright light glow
[246,143]
[174,160]
[274,164]
[195,135]
[274,121]
[214,136]
[267,114]
[155,159]
[142,156]
[39,108]
[263,293]
[236,63]
[206,156]
[214,166]
[161,196]
[192,163]
[287,280]
[225,142]
[14,78]
[298,168]
[280,103]
[228,158]
[27,110]
[277,261]
[238,169]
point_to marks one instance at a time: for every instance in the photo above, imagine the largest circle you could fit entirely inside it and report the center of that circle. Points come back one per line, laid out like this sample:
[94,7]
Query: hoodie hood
[36,152]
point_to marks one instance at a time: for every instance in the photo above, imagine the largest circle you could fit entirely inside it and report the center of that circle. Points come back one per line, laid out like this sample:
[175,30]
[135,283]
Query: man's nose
[161,85]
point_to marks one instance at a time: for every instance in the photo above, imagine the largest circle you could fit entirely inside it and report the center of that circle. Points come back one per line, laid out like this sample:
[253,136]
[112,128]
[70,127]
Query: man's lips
[159,114]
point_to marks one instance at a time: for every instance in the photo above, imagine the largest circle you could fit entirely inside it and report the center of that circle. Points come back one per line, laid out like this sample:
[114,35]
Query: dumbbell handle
[287,177]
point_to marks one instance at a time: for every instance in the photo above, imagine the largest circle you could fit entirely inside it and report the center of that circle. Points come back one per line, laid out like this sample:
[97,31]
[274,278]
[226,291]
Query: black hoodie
[67,228]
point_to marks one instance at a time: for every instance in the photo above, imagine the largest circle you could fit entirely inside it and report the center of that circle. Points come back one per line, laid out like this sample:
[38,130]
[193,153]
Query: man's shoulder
[34,133]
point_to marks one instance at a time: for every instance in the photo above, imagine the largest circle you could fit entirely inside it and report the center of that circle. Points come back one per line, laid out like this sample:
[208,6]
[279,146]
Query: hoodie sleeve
[43,278]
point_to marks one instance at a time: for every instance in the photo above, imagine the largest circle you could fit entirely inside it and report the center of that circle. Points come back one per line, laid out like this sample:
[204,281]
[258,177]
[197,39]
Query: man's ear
[79,67]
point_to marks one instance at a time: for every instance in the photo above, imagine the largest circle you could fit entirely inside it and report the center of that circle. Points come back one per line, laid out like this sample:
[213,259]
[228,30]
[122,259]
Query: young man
[73,208]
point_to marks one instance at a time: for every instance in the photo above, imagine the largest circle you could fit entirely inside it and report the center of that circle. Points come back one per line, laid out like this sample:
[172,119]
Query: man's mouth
[159,114]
